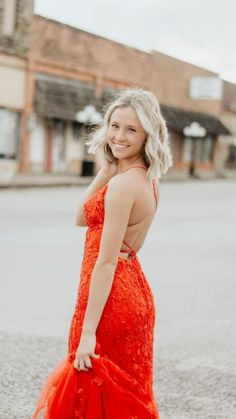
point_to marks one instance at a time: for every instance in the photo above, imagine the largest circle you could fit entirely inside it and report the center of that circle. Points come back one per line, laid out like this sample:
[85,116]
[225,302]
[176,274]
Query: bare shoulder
[121,193]
[123,183]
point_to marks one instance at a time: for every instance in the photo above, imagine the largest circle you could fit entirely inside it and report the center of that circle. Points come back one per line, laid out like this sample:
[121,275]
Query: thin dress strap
[155,195]
[130,248]
[154,189]
[131,167]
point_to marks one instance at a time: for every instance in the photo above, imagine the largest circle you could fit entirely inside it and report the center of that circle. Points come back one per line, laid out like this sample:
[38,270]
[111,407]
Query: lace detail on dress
[120,382]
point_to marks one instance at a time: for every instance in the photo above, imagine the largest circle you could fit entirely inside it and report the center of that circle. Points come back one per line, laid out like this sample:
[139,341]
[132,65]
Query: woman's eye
[132,130]
[114,125]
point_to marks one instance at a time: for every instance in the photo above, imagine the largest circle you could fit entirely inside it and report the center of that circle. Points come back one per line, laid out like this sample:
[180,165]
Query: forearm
[100,287]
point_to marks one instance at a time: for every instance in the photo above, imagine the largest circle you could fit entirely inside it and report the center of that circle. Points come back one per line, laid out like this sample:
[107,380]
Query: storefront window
[199,149]
[187,149]
[231,157]
[9,128]
[203,149]
[58,146]
[208,144]
[77,128]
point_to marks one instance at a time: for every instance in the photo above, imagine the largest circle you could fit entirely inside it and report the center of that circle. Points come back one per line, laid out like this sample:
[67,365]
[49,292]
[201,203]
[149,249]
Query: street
[189,260]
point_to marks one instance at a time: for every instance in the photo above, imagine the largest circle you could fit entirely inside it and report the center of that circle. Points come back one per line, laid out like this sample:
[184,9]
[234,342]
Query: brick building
[71,69]
[227,144]
[64,69]
[15,18]
[172,83]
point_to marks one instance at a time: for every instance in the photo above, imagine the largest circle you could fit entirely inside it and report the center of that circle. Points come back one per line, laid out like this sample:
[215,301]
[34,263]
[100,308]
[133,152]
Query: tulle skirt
[104,392]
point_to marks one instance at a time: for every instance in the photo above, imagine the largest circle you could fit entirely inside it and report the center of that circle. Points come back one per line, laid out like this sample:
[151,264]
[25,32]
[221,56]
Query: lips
[120,146]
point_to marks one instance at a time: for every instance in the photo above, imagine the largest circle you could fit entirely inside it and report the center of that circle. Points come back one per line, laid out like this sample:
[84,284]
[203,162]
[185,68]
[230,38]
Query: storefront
[12,79]
[193,151]
[9,129]
[57,141]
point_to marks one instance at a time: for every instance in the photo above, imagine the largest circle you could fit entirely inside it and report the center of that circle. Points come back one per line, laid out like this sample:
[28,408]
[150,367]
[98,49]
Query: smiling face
[125,135]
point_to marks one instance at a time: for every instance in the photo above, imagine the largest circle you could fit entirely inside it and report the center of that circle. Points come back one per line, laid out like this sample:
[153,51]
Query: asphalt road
[189,260]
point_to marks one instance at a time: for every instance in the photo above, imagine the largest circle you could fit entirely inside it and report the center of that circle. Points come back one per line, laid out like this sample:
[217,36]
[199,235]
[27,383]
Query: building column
[24,149]
[48,148]
[214,153]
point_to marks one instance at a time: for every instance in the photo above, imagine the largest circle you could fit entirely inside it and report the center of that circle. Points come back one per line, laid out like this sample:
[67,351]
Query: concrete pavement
[24,180]
[189,260]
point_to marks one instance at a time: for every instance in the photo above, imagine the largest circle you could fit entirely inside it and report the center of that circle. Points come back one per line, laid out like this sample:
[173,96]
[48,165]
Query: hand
[109,168]
[85,351]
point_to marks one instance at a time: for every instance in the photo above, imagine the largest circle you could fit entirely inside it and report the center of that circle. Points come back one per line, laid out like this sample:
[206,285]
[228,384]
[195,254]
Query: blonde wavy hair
[156,153]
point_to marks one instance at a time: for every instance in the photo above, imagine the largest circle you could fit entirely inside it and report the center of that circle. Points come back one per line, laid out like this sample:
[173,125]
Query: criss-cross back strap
[127,250]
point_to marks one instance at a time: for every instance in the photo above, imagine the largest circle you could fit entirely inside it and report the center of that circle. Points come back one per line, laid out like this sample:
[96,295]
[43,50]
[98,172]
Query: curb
[47,181]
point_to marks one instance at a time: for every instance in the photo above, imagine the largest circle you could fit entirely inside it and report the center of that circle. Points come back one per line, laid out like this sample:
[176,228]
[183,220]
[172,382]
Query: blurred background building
[50,71]
[227,144]
[15,20]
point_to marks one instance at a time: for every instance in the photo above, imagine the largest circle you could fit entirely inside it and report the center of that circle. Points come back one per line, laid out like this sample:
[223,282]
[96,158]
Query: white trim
[9,17]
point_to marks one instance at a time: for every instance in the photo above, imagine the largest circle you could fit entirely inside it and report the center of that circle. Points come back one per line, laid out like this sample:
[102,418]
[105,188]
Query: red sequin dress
[119,385]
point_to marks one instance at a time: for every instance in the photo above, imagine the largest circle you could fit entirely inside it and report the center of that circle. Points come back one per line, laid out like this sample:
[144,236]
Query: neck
[123,165]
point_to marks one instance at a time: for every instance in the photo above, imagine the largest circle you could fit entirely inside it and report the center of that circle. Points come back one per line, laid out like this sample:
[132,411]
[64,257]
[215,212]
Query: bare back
[144,209]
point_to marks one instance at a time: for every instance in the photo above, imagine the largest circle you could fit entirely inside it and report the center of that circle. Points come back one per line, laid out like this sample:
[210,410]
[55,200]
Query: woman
[108,370]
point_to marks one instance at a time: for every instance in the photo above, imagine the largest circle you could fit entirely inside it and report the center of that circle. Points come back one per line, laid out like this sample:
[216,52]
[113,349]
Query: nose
[120,135]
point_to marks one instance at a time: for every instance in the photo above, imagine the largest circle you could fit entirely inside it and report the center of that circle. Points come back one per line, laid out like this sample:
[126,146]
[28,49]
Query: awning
[177,119]
[62,99]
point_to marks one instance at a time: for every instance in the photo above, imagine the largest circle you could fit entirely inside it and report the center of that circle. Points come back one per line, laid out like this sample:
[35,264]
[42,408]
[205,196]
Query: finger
[81,365]
[92,355]
[87,361]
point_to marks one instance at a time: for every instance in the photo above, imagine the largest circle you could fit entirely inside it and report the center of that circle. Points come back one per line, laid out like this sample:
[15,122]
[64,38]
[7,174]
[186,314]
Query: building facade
[15,19]
[190,94]
[227,144]
[61,70]
[70,70]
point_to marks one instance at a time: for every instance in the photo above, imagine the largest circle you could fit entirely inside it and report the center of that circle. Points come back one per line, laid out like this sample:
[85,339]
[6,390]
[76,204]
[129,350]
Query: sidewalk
[189,263]
[21,180]
[24,180]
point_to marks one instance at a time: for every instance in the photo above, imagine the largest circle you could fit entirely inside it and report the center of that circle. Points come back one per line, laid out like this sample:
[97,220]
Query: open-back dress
[119,384]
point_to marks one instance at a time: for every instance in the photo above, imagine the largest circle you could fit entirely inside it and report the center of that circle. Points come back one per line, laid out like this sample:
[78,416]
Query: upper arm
[80,218]
[118,203]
